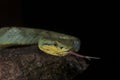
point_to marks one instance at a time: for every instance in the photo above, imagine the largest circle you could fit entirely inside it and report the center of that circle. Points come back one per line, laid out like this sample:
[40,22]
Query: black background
[87,21]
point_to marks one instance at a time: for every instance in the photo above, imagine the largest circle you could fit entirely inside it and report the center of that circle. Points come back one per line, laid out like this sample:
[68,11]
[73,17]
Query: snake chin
[54,50]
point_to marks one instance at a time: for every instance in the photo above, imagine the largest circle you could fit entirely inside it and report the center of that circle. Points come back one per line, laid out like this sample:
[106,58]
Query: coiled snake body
[50,42]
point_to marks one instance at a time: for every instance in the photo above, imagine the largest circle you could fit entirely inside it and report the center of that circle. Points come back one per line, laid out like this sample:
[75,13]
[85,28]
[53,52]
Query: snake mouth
[57,51]
[53,47]
[54,50]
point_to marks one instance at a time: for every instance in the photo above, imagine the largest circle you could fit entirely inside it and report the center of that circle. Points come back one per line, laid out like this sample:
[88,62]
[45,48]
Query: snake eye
[55,44]
[61,47]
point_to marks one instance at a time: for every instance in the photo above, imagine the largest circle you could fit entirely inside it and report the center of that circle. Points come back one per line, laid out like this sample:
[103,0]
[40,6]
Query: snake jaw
[53,47]
[53,50]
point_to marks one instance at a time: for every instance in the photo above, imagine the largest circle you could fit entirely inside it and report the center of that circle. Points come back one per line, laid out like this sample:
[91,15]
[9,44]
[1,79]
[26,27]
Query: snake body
[48,41]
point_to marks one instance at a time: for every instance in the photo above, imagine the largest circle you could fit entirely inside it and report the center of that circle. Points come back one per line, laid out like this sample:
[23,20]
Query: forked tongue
[82,56]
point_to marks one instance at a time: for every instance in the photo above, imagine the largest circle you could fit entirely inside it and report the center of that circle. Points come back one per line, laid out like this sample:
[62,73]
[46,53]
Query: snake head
[53,47]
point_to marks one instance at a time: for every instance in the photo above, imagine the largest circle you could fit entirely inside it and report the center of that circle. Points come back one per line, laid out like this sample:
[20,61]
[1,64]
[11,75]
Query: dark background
[83,20]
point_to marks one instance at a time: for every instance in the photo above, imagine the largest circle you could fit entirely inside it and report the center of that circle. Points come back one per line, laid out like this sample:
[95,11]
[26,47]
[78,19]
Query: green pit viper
[50,42]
